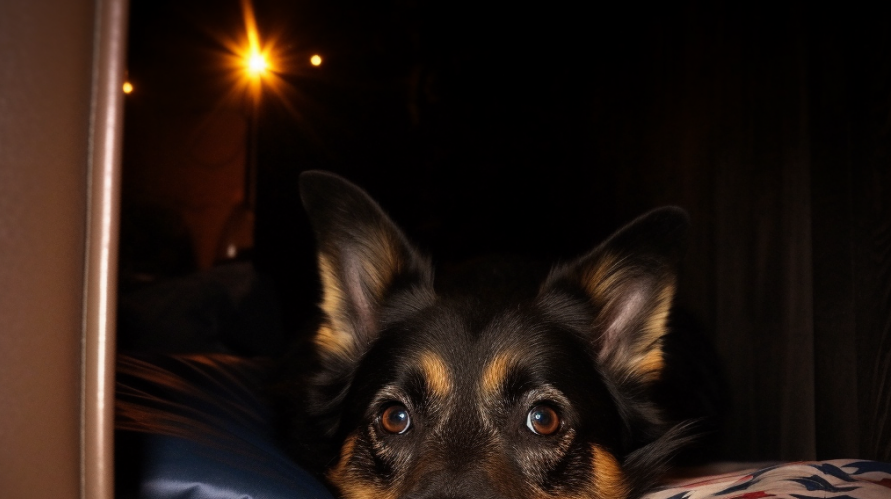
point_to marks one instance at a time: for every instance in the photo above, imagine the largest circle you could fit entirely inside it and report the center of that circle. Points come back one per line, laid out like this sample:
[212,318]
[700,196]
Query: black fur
[474,355]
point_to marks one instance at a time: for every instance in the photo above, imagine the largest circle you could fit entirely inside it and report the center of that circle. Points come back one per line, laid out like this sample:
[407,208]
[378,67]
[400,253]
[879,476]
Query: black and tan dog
[502,384]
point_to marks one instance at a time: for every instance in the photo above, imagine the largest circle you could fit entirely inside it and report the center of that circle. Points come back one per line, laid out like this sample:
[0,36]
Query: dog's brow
[497,370]
[436,374]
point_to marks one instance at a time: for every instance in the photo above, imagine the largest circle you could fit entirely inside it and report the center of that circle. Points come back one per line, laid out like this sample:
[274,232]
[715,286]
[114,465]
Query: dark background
[540,129]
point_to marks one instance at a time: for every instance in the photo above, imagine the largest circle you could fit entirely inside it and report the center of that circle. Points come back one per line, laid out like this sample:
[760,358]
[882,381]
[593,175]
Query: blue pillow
[198,427]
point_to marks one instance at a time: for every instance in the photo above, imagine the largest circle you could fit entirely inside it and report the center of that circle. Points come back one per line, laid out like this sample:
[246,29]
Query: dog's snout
[469,484]
[447,495]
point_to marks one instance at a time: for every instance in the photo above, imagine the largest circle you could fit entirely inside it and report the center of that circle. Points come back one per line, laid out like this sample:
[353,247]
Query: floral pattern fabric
[838,479]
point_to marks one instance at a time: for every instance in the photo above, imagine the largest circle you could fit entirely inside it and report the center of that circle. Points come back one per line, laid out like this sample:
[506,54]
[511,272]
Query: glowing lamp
[257,64]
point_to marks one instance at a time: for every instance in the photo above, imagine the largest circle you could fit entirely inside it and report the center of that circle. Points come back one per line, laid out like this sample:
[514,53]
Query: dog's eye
[543,420]
[395,419]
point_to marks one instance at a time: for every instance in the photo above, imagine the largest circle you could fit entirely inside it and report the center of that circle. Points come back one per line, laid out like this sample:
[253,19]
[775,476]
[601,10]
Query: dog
[501,381]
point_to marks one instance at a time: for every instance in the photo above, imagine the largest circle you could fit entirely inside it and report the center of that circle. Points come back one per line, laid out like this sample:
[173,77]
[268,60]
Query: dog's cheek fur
[357,474]
[600,478]
[596,475]
[608,478]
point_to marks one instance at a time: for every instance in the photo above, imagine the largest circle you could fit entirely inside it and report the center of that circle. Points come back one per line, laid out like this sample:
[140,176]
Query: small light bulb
[316,60]
[257,63]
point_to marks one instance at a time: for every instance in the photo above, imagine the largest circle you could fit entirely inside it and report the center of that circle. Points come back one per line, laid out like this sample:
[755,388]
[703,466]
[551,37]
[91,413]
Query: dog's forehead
[461,352]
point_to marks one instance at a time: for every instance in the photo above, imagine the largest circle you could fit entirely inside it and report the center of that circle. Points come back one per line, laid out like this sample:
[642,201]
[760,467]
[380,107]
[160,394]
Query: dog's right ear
[363,259]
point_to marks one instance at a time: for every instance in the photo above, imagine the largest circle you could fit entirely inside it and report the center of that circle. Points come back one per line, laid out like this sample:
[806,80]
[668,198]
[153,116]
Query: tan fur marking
[338,472]
[385,264]
[349,486]
[643,359]
[650,366]
[331,342]
[436,374]
[332,294]
[334,338]
[651,362]
[496,372]
[657,322]
[334,342]
[377,271]
[608,478]
[601,277]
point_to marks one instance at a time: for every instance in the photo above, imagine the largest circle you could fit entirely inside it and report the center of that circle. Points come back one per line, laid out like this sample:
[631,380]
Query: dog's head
[501,390]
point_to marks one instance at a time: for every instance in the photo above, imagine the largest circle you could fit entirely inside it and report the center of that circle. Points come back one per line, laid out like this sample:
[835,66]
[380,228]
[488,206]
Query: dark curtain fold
[776,135]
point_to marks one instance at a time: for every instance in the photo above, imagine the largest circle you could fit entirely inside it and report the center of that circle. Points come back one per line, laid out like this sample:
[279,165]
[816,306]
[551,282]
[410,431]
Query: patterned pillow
[840,478]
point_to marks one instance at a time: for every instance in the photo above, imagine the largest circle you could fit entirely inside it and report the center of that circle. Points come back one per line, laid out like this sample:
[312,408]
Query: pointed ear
[363,259]
[630,281]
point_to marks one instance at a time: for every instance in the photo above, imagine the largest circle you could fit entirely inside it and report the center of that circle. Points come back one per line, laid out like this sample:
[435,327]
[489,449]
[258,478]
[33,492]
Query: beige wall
[59,128]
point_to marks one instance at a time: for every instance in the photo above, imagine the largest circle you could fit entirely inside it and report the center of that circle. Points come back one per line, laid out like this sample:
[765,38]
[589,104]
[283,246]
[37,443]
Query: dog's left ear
[364,260]
[630,280]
